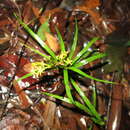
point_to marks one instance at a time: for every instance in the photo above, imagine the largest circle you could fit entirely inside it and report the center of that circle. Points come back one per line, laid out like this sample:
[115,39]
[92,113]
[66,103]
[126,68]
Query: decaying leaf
[4,44]
[46,15]
[28,67]
[89,6]
[52,42]
[4,40]
[28,12]
[24,99]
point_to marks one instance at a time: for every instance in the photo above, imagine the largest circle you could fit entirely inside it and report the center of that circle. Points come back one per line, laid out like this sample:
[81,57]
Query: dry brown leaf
[23,97]
[4,40]
[89,6]
[49,113]
[28,68]
[28,12]
[92,3]
[52,42]
[46,15]
[4,22]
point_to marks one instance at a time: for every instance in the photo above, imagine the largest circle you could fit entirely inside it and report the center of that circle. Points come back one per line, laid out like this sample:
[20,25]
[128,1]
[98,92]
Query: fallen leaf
[24,99]
[4,39]
[52,42]
[28,12]
[47,14]
[89,7]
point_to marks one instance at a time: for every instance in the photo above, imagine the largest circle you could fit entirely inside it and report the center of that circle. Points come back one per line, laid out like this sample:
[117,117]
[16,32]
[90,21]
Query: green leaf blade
[75,40]
[88,60]
[88,76]
[36,51]
[67,100]
[25,76]
[94,95]
[67,85]
[86,100]
[38,39]
[62,45]
[84,50]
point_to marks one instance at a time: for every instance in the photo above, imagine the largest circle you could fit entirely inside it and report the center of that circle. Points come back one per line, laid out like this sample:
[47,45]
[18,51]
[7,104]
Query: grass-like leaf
[75,40]
[67,100]
[36,51]
[86,100]
[94,95]
[67,85]
[37,38]
[78,105]
[84,50]
[88,76]
[100,122]
[62,45]
[25,76]
[90,59]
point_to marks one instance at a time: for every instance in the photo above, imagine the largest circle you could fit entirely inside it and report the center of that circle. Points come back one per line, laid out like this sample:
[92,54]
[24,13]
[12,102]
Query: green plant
[66,62]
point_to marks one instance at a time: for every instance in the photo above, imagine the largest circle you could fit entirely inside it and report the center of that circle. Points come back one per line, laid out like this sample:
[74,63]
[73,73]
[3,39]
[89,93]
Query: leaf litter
[21,104]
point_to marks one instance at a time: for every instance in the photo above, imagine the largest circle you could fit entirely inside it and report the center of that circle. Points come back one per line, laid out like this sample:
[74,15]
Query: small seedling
[66,62]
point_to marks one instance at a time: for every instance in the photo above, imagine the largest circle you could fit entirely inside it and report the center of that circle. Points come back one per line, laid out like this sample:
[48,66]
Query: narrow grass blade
[99,122]
[84,50]
[62,45]
[37,38]
[67,85]
[89,76]
[25,76]
[85,99]
[67,100]
[77,104]
[75,40]
[36,51]
[94,95]
[90,59]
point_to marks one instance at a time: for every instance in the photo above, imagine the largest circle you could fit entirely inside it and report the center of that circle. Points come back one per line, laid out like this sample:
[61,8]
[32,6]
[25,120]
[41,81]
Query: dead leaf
[46,15]
[24,99]
[28,68]
[49,113]
[4,40]
[52,42]
[89,7]
[28,12]
[92,3]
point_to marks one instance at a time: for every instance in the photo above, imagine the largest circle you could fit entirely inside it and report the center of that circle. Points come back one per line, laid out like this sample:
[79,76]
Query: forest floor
[23,106]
